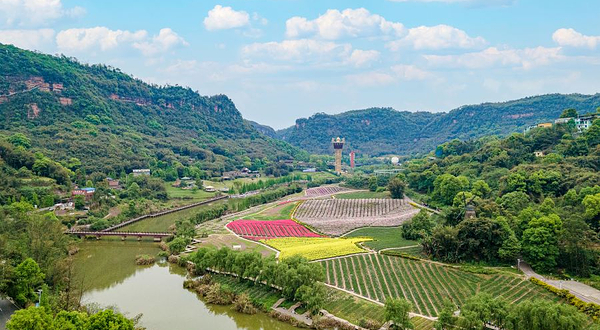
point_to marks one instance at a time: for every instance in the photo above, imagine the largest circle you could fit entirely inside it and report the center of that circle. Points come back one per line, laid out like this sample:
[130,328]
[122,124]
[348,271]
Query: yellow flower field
[314,248]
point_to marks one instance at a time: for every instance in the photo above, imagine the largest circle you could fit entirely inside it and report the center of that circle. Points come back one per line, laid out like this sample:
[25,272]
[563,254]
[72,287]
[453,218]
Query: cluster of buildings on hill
[582,123]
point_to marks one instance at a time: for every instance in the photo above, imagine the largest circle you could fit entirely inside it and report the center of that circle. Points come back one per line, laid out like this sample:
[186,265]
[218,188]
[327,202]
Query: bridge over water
[123,234]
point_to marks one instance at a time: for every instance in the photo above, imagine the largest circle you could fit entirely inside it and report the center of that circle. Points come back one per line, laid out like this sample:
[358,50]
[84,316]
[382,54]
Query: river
[110,278]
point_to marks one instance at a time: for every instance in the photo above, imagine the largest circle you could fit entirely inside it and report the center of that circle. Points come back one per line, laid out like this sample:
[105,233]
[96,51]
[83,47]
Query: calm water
[111,278]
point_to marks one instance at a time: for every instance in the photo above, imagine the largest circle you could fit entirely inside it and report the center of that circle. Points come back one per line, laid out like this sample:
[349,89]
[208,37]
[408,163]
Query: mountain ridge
[379,131]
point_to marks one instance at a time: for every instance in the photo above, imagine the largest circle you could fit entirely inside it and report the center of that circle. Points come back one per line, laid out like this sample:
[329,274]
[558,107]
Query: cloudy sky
[284,59]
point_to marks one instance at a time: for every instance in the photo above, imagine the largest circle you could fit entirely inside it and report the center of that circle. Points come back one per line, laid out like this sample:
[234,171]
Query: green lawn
[363,195]
[187,194]
[163,223]
[383,237]
[261,294]
[279,212]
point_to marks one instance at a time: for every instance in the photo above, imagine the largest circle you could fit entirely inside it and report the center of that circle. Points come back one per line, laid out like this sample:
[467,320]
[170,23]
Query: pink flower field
[257,230]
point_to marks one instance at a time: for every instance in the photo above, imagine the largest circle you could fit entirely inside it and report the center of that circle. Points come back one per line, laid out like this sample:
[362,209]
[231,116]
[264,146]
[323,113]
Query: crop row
[323,191]
[257,230]
[350,208]
[313,248]
[424,284]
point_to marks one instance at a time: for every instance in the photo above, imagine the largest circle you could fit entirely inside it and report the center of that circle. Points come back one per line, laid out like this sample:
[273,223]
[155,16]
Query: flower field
[324,191]
[315,248]
[339,216]
[258,230]
[424,284]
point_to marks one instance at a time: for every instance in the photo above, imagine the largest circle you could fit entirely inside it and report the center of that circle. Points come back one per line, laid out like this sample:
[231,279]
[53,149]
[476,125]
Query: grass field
[163,223]
[229,240]
[278,212]
[422,283]
[187,194]
[363,195]
[383,237]
[260,294]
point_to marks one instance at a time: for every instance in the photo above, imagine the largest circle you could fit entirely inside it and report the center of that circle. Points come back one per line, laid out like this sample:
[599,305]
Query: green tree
[32,318]
[313,296]
[20,140]
[592,207]
[396,186]
[446,186]
[79,202]
[396,310]
[28,277]
[545,315]
[446,319]
[373,183]
[569,113]
[109,320]
[540,242]
[177,245]
[481,189]
[419,226]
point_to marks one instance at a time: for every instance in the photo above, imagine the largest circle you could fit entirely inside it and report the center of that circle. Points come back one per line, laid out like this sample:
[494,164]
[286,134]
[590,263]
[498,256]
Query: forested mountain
[264,129]
[103,120]
[378,131]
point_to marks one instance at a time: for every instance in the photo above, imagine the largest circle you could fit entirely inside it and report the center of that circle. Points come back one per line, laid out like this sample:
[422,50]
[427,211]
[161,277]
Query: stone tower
[338,145]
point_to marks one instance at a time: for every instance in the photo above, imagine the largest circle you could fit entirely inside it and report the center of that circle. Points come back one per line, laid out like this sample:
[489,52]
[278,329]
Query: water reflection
[156,291]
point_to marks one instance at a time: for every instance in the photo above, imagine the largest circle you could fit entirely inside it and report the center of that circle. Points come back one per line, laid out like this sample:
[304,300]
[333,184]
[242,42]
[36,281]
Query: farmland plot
[338,216]
[424,284]
[258,230]
[324,191]
[315,248]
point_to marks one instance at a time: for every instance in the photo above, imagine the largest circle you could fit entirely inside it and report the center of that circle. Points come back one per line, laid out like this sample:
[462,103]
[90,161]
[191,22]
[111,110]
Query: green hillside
[380,131]
[111,122]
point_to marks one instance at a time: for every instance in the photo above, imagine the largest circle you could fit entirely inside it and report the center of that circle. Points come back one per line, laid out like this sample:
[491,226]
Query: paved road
[6,310]
[580,290]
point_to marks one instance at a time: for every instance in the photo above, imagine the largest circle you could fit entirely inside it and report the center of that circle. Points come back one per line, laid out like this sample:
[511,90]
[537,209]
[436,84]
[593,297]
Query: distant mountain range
[380,131]
[112,123]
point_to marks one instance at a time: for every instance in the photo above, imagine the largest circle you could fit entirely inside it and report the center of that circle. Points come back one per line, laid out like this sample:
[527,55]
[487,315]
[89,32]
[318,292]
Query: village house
[141,171]
[87,193]
[209,189]
[113,184]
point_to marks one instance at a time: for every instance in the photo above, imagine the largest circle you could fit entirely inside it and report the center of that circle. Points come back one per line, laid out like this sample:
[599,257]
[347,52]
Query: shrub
[144,259]
[243,304]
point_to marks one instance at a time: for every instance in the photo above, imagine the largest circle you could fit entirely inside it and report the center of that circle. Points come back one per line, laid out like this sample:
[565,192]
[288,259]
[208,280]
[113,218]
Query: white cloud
[436,37]
[361,57]
[572,38]
[221,18]
[492,56]
[99,37]
[166,40]
[35,12]
[301,50]
[410,72]
[396,73]
[349,23]
[28,39]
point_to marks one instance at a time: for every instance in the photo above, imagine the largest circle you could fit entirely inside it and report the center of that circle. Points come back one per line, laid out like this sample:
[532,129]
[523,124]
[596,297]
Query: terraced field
[424,284]
[324,191]
[257,230]
[339,216]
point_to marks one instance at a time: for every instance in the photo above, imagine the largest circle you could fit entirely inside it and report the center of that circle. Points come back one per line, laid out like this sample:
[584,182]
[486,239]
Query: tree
[545,315]
[27,278]
[446,319]
[396,187]
[32,318]
[419,226]
[313,296]
[483,308]
[540,242]
[79,202]
[592,208]
[569,113]
[514,201]
[20,140]
[446,186]
[481,189]
[373,183]
[177,245]
[109,320]
[396,310]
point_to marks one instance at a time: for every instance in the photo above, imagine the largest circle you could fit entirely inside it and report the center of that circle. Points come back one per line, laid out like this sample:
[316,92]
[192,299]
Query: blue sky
[280,60]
